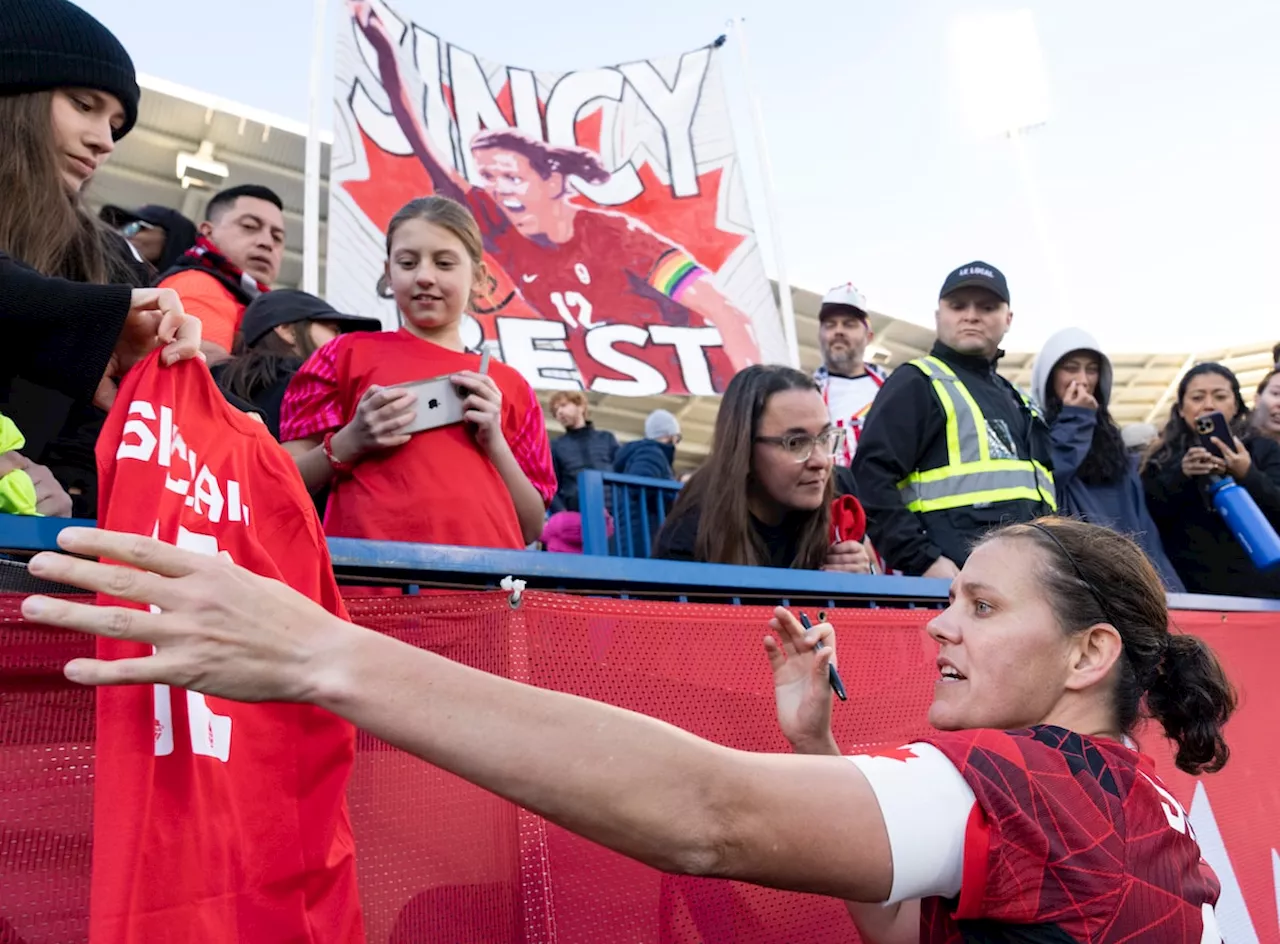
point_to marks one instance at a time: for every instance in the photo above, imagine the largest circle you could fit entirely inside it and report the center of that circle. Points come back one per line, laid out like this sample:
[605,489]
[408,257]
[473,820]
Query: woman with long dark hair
[763,497]
[1177,471]
[1095,477]
[68,93]
[1027,814]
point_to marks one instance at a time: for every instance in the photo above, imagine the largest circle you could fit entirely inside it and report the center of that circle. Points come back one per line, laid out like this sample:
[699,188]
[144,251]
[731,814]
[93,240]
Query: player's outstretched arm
[734,325]
[447,182]
[632,783]
[802,695]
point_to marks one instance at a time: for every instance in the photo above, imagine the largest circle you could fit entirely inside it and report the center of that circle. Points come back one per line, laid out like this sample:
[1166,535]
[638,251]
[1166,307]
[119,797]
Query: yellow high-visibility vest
[971,476]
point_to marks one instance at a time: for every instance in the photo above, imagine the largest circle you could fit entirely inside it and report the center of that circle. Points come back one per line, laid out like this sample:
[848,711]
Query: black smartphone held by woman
[1210,426]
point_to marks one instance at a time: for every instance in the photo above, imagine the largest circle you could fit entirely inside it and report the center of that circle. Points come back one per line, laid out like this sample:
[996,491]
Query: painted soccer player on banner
[619,243]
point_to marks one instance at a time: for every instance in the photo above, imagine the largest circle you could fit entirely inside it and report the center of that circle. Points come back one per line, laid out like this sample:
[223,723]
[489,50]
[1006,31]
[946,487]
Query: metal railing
[413,566]
[638,506]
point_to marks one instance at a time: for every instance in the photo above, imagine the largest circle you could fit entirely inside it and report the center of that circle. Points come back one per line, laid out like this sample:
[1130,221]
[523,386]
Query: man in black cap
[159,234]
[950,448]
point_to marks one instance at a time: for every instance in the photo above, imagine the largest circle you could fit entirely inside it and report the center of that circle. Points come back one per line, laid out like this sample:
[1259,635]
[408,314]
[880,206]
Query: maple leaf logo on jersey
[903,753]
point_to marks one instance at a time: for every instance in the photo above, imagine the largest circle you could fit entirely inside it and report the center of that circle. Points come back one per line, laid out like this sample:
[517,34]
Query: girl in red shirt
[481,483]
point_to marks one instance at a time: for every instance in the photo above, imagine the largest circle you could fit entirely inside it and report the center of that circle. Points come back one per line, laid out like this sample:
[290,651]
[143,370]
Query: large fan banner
[620,249]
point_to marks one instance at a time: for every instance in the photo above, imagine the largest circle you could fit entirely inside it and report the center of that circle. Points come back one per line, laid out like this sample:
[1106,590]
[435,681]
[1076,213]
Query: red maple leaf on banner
[688,221]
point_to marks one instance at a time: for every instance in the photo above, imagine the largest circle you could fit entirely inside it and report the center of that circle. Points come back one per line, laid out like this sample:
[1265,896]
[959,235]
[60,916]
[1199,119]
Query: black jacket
[54,410]
[58,334]
[646,458]
[905,430]
[579,449]
[265,401]
[677,541]
[1197,541]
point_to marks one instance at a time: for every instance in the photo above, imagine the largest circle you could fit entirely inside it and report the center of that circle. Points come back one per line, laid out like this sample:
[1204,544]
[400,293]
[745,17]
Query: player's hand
[1235,457]
[156,317]
[1200,461]
[801,687]
[1078,395]
[848,556]
[741,350]
[381,416]
[482,407]
[219,628]
[361,11]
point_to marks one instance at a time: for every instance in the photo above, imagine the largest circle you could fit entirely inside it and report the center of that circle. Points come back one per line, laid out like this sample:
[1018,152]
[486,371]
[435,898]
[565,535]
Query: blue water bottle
[1246,521]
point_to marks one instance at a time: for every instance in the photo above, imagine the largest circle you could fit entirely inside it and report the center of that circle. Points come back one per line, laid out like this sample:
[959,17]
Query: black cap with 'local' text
[977,275]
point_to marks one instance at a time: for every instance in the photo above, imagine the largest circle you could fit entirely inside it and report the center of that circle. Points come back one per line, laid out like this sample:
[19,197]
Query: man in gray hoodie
[1093,472]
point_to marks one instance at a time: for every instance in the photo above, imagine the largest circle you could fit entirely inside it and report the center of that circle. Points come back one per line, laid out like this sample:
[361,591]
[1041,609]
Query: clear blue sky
[1159,168]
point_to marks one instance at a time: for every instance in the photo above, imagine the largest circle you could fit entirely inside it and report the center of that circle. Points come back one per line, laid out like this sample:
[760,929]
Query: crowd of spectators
[933,455]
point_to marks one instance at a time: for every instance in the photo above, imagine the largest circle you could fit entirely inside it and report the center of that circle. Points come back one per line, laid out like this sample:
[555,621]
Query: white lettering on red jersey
[215,820]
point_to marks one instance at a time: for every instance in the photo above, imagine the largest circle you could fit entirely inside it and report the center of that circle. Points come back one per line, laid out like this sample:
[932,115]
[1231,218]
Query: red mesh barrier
[441,860]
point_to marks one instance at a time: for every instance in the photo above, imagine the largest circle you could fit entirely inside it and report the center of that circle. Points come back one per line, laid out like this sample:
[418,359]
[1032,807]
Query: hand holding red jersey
[848,527]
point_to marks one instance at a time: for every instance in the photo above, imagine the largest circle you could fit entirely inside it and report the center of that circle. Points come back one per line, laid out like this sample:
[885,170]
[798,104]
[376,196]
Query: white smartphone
[439,403]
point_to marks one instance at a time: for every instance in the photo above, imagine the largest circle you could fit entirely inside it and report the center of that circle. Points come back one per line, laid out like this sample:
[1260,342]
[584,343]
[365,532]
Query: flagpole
[737,27]
[319,96]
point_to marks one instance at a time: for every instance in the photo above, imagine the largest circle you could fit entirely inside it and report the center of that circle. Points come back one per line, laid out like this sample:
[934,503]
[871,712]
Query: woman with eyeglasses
[763,497]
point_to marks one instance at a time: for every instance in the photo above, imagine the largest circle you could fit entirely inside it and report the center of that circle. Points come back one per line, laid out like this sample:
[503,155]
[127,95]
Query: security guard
[950,448]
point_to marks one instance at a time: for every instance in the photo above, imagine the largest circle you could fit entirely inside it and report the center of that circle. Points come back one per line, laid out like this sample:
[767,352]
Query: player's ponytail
[1093,575]
[1192,699]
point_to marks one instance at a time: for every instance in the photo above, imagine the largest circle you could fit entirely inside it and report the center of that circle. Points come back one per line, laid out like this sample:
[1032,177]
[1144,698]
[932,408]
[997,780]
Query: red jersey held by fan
[616,285]
[1040,836]
[215,820]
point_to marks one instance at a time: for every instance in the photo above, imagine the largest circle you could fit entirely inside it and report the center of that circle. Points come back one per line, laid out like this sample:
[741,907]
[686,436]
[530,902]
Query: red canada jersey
[614,270]
[1071,839]
[213,820]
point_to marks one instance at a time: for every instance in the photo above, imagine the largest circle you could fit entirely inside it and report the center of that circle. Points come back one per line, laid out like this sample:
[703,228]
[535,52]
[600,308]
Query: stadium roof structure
[255,146]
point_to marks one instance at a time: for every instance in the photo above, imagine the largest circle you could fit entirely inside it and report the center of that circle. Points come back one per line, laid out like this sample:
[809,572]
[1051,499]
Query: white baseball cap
[844,296]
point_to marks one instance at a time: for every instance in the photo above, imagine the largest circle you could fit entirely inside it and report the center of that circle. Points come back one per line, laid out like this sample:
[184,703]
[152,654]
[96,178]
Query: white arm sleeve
[926,806]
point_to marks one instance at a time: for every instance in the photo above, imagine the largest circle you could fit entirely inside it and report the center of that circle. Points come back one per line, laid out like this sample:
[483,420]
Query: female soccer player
[1027,817]
[582,265]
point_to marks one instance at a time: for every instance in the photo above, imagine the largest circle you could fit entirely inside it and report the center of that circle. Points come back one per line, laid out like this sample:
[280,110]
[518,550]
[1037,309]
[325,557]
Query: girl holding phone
[484,482]
[1178,469]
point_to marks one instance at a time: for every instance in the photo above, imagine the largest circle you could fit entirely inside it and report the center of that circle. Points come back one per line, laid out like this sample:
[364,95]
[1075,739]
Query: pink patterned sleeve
[313,403]
[532,449]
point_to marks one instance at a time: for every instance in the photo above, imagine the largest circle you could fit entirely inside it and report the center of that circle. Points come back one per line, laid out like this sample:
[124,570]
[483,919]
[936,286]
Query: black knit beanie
[51,44]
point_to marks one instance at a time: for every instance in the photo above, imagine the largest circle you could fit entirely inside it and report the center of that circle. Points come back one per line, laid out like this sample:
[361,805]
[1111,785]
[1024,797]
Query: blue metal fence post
[595,534]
